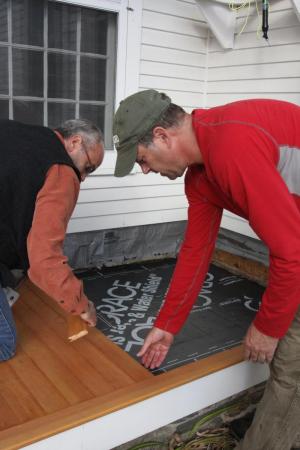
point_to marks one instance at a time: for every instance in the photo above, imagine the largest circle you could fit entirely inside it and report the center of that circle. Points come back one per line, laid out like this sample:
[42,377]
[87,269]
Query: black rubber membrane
[128,298]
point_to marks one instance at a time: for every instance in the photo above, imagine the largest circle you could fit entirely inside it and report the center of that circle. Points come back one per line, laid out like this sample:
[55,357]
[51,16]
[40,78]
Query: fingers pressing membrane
[147,360]
[155,361]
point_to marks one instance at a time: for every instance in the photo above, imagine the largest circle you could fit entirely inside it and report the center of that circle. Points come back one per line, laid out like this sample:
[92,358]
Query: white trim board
[136,420]
[296,4]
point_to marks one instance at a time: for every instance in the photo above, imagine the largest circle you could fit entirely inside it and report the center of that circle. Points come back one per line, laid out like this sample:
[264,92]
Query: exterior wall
[256,69]
[171,49]
[172,59]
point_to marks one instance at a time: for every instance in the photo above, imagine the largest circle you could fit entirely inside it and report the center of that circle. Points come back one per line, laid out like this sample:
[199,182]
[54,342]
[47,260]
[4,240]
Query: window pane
[61,76]
[28,112]
[27,22]
[4,114]
[92,78]
[59,112]
[3,70]
[93,31]
[94,113]
[62,22]
[27,73]
[3,20]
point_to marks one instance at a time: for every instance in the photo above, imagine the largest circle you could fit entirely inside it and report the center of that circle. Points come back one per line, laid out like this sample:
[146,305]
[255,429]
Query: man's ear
[160,133]
[73,143]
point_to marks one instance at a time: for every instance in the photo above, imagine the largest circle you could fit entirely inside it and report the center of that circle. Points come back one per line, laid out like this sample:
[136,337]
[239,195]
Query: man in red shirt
[40,175]
[244,157]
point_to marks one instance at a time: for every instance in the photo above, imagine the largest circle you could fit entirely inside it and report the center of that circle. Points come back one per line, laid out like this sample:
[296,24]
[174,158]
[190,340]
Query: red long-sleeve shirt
[251,154]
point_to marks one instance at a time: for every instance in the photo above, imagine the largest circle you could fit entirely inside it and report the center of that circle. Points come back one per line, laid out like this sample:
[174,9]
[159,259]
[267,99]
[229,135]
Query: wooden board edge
[76,415]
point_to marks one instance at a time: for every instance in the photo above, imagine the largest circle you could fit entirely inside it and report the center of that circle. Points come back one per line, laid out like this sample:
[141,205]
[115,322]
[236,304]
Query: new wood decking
[52,385]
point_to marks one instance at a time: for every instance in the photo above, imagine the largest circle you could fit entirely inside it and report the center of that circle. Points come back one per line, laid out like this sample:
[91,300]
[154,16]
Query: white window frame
[129,25]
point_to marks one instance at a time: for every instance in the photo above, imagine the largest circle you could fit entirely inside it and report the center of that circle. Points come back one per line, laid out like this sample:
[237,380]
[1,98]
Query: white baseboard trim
[136,420]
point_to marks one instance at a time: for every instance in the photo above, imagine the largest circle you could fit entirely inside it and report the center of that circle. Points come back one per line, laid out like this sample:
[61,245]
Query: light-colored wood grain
[14,393]
[77,328]
[110,358]
[36,382]
[82,376]
[8,418]
[51,366]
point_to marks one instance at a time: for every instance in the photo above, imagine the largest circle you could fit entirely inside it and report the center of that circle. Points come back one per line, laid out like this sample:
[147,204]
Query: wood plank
[22,405]
[130,206]
[276,70]
[257,86]
[249,56]
[221,99]
[170,83]
[254,270]
[175,70]
[36,382]
[108,353]
[97,407]
[83,373]
[186,26]
[120,358]
[114,365]
[105,222]
[8,418]
[170,40]
[108,194]
[136,180]
[251,40]
[65,382]
[174,7]
[281,19]
[160,54]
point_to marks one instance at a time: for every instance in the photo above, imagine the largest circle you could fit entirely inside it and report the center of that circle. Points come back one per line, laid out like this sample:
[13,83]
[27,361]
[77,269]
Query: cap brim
[125,161]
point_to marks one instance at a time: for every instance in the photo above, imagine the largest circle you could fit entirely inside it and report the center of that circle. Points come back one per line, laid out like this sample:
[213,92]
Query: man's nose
[145,169]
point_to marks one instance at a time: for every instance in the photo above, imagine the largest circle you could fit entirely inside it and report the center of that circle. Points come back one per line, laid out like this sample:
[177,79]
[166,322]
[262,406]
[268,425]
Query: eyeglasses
[91,167]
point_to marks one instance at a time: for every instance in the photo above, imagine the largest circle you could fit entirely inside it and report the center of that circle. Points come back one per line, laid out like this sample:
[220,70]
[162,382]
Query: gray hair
[90,133]
[172,117]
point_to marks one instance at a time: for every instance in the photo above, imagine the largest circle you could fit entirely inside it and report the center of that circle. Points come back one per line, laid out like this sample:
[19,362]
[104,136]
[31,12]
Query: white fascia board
[296,4]
[221,20]
[143,417]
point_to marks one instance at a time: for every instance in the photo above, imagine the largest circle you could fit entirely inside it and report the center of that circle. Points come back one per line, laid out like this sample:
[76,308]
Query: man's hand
[156,347]
[90,316]
[258,346]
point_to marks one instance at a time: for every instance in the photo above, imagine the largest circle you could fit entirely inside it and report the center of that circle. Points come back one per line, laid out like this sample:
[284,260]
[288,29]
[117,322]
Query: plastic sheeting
[148,242]
[124,245]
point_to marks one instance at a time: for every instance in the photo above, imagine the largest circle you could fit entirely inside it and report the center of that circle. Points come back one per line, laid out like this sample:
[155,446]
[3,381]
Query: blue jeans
[8,333]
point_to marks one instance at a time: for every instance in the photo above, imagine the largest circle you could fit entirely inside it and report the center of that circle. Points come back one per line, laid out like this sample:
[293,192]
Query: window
[57,61]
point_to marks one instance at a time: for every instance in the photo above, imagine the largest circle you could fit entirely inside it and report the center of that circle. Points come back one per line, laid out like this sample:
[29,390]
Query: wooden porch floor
[52,385]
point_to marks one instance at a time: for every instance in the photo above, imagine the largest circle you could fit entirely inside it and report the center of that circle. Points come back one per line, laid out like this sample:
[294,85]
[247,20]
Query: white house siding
[256,69]
[173,60]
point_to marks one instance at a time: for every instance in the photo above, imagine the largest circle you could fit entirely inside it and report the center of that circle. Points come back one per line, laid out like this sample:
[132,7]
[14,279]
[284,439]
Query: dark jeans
[8,334]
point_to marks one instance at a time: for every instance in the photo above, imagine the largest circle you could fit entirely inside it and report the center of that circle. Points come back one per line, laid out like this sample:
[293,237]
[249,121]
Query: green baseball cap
[136,115]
